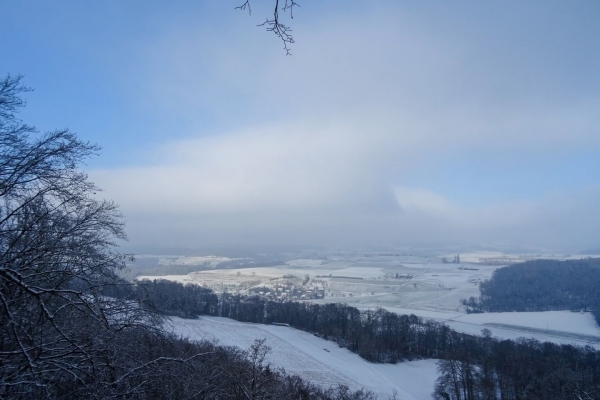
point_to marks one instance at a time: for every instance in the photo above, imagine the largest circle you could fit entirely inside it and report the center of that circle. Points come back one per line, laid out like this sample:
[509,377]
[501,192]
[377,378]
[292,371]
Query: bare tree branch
[245,6]
[274,25]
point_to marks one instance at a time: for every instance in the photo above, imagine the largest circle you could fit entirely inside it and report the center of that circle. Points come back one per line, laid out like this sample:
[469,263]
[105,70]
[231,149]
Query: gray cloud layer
[317,147]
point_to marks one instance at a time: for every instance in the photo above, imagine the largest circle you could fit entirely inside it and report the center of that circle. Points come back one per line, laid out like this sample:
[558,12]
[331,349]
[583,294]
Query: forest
[542,285]
[470,367]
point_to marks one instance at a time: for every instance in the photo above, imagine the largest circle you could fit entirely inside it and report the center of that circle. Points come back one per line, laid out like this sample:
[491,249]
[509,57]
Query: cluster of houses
[288,292]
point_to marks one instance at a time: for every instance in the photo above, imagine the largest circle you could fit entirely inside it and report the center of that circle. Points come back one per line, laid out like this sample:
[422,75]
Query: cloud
[282,183]
[560,220]
[274,168]
[387,68]
[278,185]
[318,148]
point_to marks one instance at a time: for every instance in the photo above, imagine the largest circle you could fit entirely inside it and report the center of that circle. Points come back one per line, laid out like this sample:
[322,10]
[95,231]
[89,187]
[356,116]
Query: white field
[305,262]
[564,327]
[174,278]
[317,360]
[186,260]
[564,321]
[434,291]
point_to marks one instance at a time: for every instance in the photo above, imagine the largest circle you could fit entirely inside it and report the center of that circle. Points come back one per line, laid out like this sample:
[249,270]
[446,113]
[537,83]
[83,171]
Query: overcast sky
[401,123]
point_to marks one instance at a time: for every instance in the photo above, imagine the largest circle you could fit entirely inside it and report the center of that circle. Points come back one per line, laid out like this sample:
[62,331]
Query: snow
[566,321]
[173,278]
[305,262]
[360,272]
[314,359]
[183,260]
[434,291]
[562,327]
[426,314]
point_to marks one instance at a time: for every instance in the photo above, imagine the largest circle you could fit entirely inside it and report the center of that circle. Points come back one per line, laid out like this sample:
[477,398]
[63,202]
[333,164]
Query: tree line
[470,367]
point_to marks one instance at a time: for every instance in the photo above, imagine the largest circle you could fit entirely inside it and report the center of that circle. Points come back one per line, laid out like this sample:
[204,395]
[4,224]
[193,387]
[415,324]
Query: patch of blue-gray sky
[455,110]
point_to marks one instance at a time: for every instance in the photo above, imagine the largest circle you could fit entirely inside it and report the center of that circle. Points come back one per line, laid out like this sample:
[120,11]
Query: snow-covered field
[564,321]
[173,278]
[430,289]
[185,260]
[317,360]
[563,327]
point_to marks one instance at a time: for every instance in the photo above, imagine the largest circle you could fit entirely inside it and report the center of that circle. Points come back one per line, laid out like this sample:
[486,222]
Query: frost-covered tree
[57,257]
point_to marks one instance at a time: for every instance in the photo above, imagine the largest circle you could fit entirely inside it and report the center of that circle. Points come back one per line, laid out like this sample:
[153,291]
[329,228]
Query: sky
[392,123]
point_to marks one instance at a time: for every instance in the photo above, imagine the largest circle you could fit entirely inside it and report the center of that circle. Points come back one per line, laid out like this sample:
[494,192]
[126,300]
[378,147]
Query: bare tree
[57,255]
[251,376]
[274,25]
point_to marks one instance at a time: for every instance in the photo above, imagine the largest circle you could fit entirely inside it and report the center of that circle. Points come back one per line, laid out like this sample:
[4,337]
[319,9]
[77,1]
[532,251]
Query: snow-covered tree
[57,258]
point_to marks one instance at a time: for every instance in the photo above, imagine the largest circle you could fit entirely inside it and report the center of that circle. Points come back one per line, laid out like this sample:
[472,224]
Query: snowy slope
[319,361]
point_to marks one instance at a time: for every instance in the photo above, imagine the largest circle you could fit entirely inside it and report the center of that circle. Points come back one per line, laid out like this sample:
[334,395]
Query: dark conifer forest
[542,285]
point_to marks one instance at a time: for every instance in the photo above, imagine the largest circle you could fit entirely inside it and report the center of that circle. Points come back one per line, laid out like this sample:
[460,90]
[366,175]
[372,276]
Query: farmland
[406,284]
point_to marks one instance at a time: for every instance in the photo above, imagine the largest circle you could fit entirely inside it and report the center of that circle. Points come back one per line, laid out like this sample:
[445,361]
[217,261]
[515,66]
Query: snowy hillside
[319,361]
[562,327]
